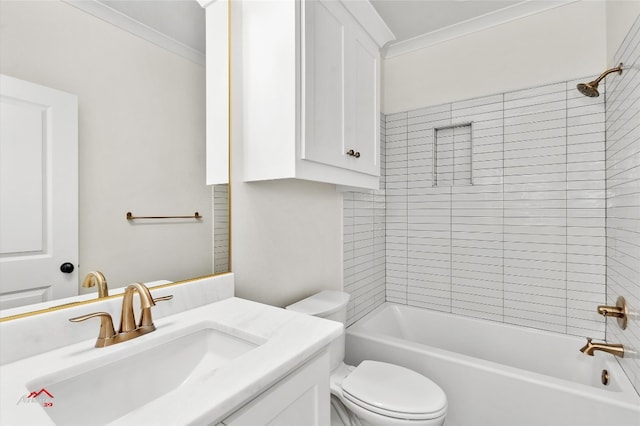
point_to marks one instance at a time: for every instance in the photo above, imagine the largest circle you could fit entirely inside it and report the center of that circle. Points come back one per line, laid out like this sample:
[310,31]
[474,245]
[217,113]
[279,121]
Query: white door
[38,193]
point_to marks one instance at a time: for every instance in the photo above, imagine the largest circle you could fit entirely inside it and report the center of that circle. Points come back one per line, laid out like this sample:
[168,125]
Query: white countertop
[286,340]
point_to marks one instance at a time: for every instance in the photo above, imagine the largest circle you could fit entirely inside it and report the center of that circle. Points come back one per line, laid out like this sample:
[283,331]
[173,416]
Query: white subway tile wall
[221,228]
[623,196]
[396,206]
[477,246]
[364,245]
[525,244]
[427,215]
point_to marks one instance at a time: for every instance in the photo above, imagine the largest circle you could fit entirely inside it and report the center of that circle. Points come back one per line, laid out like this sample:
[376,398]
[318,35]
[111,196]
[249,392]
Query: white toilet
[377,393]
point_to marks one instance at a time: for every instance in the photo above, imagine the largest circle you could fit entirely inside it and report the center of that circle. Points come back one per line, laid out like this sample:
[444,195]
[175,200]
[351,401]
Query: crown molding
[483,22]
[371,21]
[126,23]
[206,3]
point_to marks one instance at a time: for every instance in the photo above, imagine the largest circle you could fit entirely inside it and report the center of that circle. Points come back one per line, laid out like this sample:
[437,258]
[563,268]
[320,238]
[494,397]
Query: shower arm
[617,69]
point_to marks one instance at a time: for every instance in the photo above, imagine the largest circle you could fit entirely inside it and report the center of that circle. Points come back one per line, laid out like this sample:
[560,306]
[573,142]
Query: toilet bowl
[377,393]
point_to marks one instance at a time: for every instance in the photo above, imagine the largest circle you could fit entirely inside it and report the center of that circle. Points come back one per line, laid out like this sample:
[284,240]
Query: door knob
[67,268]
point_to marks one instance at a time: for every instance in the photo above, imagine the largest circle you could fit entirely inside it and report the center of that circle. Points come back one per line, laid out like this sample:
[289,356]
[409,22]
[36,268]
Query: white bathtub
[496,374]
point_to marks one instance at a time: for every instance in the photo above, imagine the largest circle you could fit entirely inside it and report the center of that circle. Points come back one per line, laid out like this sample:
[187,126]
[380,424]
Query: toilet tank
[327,304]
[330,305]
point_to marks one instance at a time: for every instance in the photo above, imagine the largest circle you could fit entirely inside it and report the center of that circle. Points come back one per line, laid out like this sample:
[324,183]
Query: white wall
[621,14]
[141,138]
[555,45]
[287,234]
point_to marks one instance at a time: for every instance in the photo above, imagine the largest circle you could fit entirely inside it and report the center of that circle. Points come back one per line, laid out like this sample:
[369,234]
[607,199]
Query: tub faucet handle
[619,312]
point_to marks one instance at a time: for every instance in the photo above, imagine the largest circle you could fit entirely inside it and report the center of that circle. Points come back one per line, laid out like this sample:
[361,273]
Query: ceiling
[183,20]
[411,18]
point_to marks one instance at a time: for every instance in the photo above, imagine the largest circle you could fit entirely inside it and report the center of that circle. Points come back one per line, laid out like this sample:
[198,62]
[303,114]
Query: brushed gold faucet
[96,277]
[128,328]
[127,318]
[614,349]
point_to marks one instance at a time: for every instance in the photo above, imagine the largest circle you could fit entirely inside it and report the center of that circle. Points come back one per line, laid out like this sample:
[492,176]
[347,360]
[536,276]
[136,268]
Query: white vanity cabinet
[311,91]
[301,398]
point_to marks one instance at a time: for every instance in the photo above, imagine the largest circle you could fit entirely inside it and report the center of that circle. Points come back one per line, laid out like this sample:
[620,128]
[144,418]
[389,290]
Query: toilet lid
[394,391]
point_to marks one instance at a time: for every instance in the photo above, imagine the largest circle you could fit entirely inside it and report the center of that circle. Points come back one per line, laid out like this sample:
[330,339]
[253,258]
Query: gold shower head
[591,88]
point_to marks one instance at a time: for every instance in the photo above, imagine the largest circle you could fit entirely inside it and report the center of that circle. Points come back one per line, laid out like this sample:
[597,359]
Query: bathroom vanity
[301,398]
[230,362]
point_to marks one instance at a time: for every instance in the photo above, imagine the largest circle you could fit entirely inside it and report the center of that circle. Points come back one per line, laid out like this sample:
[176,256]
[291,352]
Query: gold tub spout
[96,277]
[614,349]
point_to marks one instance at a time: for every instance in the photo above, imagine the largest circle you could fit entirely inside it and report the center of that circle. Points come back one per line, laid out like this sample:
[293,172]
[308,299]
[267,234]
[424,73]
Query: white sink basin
[198,367]
[112,386]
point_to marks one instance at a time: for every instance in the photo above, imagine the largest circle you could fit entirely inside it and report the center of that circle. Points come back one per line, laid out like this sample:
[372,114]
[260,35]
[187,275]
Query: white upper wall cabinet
[311,91]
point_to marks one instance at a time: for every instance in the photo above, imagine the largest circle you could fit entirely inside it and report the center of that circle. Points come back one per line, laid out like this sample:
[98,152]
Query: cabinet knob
[353,153]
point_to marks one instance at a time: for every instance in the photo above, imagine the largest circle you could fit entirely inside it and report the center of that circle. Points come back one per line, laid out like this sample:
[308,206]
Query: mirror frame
[99,299]
[63,306]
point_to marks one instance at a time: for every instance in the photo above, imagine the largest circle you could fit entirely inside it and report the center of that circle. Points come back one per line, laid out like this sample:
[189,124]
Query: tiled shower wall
[623,195]
[221,228]
[525,244]
[364,245]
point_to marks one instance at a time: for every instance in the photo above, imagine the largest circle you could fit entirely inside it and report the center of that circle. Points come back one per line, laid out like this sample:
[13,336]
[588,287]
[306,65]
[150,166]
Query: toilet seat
[393,391]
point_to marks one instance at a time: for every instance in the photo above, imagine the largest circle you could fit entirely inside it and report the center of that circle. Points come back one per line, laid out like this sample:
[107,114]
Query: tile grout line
[451,221]
[503,284]
[384,245]
[566,207]
[406,200]
[606,212]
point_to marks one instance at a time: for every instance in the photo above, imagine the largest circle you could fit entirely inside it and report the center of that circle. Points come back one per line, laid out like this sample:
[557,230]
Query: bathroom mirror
[141,139]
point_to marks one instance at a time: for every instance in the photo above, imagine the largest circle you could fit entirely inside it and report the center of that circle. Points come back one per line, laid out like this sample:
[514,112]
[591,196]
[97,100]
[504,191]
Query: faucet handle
[145,317]
[619,312]
[106,327]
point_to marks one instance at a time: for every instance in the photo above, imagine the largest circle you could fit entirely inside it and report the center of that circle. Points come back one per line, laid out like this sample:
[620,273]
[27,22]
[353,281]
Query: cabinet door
[362,112]
[302,398]
[323,80]
[341,90]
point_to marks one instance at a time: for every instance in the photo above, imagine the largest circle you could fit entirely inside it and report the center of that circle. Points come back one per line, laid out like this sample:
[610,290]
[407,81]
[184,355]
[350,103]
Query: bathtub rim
[627,397]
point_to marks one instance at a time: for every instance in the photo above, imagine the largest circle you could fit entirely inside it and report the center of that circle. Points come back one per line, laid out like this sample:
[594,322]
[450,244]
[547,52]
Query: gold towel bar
[130,216]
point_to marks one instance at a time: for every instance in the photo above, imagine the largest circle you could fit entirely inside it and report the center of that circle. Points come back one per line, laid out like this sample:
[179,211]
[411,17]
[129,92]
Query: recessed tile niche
[452,153]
